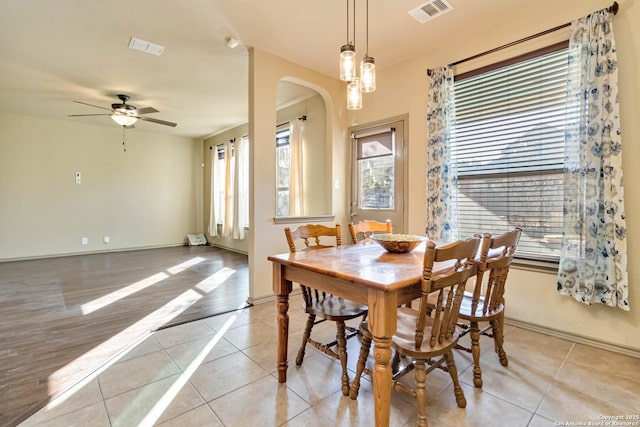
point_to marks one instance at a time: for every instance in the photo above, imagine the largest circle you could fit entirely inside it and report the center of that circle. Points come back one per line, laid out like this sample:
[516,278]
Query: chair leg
[498,337]
[362,361]
[421,391]
[305,337]
[342,351]
[475,350]
[453,371]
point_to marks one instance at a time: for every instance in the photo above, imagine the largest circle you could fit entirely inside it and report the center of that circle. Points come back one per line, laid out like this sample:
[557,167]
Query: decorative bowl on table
[398,243]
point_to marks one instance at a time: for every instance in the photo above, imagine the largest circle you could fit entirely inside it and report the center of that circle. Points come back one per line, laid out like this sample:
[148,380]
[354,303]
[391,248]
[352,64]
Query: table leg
[282,288]
[382,325]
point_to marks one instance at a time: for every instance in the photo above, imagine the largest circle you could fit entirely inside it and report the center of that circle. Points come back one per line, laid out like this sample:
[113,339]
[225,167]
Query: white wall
[531,296]
[150,195]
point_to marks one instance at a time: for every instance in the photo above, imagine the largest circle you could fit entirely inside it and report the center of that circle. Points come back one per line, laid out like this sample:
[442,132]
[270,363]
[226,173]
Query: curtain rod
[302,118]
[611,9]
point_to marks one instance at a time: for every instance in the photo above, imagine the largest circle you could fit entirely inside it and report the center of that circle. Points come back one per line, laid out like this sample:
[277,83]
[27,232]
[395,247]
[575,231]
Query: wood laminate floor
[62,318]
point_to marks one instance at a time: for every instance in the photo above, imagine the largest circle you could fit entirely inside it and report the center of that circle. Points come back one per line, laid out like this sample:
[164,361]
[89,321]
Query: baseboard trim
[269,298]
[581,339]
[100,251]
[227,248]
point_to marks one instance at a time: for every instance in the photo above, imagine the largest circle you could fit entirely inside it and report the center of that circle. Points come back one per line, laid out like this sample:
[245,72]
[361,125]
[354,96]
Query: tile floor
[221,371]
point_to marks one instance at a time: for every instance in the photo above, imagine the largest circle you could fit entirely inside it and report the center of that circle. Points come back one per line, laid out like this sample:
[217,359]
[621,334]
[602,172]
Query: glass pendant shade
[123,119]
[347,62]
[354,96]
[367,74]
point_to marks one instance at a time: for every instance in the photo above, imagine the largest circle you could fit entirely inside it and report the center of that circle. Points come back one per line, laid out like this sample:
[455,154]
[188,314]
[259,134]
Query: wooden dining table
[364,273]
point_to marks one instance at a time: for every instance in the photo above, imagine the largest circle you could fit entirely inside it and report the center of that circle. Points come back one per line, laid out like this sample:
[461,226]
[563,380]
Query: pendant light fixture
[348,51]
[368,64]
[354,94]
[366,82]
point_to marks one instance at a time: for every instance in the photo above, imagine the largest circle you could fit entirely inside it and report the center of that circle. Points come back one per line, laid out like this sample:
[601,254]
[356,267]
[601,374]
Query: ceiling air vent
[430,10]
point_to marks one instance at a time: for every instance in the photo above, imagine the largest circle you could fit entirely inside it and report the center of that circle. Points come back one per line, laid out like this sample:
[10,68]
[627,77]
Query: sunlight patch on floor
[131,289]
[121,293]
[181,267]
[162,315]
[216,279]
[163,403]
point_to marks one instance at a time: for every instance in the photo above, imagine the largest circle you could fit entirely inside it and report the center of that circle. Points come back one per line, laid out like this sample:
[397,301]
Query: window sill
[311,218]
[536,265]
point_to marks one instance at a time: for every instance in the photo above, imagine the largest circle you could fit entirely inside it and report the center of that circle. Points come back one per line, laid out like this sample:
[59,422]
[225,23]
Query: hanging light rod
[368,64]
[348,50]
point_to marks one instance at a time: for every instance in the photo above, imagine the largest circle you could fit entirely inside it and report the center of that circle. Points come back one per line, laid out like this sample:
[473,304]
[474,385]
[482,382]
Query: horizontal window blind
[378,145]
[509,149]
[282,137]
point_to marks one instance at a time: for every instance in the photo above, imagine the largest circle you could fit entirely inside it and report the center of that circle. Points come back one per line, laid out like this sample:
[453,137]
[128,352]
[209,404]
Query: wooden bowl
[398,243]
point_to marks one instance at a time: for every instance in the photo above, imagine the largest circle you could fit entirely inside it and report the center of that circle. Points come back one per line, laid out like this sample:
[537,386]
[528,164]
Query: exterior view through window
[283,171]
[375,169]
[377,172]
[508,148]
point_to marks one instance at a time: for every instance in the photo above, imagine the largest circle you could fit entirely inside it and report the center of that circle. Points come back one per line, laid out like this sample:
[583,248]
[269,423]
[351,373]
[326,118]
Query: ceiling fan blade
[91,105]
[146,110]
[87,115]
[160,122]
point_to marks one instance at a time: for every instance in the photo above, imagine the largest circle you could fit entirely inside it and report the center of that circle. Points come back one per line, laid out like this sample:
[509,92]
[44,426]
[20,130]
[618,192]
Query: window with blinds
[509,148]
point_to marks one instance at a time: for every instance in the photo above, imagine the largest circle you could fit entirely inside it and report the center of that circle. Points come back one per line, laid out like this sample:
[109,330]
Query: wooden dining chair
[486,303]
[423,339]
[366,228]
[321,306]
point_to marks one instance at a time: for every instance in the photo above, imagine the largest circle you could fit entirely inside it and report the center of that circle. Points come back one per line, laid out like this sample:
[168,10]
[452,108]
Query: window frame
[283,138]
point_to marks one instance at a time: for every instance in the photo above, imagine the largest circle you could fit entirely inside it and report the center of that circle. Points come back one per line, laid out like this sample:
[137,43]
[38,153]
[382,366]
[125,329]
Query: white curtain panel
[296,189]
[227,224]
[239,184]
[213,227]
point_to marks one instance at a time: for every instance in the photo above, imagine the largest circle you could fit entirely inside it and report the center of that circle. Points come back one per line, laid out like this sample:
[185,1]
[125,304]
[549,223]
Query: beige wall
[316,183]
[266,237]
[150,195]
[531,296]
[316,165]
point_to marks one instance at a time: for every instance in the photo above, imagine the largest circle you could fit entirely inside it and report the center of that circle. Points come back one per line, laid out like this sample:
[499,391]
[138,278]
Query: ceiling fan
[126,114]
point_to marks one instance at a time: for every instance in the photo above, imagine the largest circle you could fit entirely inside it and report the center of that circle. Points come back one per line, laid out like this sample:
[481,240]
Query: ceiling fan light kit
[123,119]
[126,114]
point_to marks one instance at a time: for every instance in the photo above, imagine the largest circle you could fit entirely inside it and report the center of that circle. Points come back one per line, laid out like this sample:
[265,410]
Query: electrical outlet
[85,240]
[78,178]
[106,240]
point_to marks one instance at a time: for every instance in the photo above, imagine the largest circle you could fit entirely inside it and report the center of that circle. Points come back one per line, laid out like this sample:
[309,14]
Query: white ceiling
[55,52]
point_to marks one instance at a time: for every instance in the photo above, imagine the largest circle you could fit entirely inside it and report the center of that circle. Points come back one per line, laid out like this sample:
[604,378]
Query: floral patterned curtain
[442,214]
[593,263]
